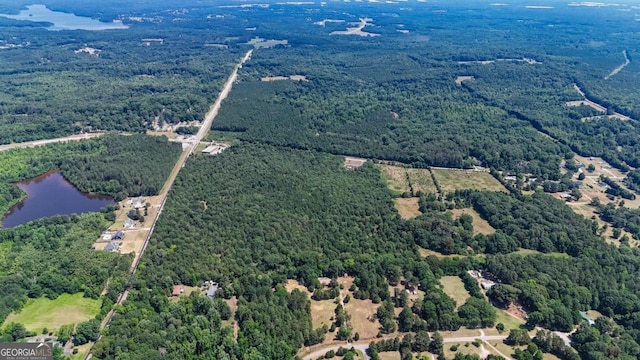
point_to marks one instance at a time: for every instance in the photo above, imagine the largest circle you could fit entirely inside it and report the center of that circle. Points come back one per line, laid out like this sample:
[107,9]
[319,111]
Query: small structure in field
[177,290]
[118,236]
[214,149]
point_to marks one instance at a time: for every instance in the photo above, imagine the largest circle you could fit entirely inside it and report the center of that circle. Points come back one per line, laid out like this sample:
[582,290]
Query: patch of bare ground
[363,319]
[358,29]
[281,78]
[408,208]
[353,162]
[480,225]
[460,79]
[454,179]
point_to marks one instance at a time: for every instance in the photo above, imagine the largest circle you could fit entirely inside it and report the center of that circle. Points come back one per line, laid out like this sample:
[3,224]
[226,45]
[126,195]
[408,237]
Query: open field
[421,180]
[396,178]
[451,180]
[460,79]
[400,178]
[66,309]
[480,225]
[361,311]
[507,320]
[408,208]
[322,312]
[453,286]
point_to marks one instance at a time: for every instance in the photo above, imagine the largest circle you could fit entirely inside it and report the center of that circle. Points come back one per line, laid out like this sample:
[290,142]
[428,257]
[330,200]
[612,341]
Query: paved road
[318,353]
[29,144]
[204,129]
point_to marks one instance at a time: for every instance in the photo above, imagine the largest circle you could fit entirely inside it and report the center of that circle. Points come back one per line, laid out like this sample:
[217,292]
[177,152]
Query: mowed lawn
[451,180]
[51,314]
[454,287]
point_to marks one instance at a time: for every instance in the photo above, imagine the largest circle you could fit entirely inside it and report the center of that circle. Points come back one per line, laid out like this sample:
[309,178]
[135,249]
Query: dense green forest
[293,214]
[436,88]
[118,166]
[52,256]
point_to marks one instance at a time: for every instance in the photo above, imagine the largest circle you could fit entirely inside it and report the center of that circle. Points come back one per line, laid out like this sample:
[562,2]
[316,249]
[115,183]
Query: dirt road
[617,70]
[35,143]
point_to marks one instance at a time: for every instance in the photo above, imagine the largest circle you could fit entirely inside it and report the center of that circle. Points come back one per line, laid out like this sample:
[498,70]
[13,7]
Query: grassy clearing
[395,177]
[480,225]
[361,311]
[507,320]
[66,309]
[454,287]
[398,179]
[408,208]
[321,312]
[82,351]
[422,181]
[526,252]
[451,180]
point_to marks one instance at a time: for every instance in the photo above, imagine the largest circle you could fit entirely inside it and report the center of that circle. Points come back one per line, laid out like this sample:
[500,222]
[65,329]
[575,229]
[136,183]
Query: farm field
[51,314]
[399,179]
[451,180]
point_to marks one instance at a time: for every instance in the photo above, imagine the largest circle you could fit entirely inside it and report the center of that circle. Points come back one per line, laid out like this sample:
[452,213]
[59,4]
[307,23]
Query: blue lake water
[62,20]
[51,194]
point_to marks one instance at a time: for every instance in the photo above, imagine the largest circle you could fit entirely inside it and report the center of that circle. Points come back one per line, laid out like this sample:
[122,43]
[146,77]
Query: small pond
[51,194]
